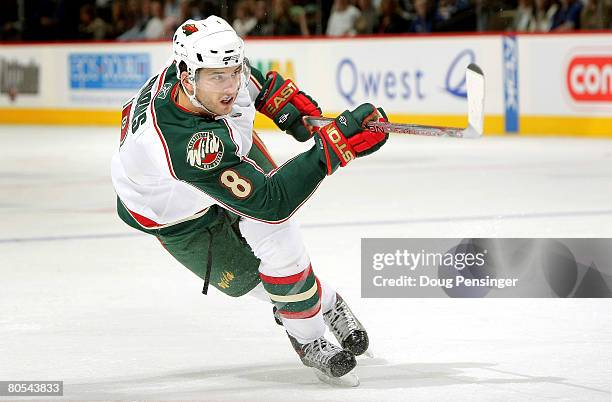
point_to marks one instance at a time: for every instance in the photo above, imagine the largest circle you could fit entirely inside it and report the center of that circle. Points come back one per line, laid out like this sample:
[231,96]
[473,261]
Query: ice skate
[330,363]
[347,329]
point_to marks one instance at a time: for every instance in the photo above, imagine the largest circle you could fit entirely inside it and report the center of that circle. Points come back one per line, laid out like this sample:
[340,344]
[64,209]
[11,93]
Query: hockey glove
[347,138]
[285,104]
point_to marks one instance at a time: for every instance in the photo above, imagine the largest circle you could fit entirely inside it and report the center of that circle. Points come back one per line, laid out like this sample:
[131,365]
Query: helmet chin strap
[194,101]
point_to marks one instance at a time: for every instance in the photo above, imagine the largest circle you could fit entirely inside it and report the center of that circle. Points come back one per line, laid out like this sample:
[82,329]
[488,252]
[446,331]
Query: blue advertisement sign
[356,85]
[109,70]
[511,89]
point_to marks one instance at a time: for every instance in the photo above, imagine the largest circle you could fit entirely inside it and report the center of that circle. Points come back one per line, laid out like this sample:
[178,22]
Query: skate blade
[348,380]
[368,354]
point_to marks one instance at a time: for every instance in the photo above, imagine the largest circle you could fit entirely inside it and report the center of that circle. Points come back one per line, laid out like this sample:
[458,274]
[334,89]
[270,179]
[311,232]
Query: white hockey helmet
[209,43]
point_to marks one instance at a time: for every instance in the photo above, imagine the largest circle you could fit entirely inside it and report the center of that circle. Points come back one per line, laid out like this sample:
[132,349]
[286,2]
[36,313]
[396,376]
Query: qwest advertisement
[407,76]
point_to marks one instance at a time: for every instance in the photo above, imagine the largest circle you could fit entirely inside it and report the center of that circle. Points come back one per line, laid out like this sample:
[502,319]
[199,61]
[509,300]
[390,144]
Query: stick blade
[368,354]
[349,380]
[470,133]
[475,85]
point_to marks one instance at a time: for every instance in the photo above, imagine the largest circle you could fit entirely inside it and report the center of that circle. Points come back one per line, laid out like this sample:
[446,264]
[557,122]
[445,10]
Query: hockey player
[191,171]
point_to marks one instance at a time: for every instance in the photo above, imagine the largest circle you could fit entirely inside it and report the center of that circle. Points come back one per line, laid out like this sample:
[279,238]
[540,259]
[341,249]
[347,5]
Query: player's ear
[186,82]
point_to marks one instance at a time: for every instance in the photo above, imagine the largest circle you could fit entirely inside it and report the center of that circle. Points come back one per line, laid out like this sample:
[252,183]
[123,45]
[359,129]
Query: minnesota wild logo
[188,29]
[204,150]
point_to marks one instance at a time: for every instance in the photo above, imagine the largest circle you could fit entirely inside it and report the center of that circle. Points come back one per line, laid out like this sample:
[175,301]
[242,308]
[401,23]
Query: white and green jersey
[172,165]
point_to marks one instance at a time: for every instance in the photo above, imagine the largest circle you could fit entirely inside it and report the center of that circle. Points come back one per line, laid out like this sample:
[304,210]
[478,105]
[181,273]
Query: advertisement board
[567,75]
[535,84]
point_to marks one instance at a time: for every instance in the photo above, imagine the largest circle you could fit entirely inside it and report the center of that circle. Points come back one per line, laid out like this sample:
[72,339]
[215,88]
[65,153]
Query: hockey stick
[475,87]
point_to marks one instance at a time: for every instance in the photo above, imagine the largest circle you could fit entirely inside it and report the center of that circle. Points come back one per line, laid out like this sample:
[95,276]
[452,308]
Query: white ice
[87,300]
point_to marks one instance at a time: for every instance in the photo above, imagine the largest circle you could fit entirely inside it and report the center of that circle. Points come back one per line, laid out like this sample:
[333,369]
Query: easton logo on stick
[204,150]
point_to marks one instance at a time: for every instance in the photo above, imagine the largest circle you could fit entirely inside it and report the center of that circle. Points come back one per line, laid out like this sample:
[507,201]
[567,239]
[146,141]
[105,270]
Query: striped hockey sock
[295,296]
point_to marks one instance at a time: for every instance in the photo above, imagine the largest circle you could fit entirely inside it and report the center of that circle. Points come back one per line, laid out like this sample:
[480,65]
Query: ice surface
[87,300]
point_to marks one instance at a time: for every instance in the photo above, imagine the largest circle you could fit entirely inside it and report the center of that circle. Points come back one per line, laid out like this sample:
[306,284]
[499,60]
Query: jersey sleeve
[241,186]
[256,81]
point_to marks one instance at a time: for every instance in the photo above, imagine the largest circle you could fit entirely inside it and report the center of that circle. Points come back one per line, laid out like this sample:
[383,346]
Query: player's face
[217,88]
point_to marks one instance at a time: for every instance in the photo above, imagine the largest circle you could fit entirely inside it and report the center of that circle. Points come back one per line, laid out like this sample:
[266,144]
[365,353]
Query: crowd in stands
[157,19]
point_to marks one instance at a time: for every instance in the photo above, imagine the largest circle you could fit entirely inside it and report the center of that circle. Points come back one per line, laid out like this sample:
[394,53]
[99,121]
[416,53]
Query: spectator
[288,20]
[426,16]
[544,13]
[368,20]
[103,9]
[455,15]
[134,11]
[10,28]
[524,15]
[101,4]
[205,8]
[155,26]
[185,11]
[567,17]
[91,26]
[448,8]
[245,19]
[172,9]
[42,19]
[143,19]
[172,15]
[139,10]
[488,14]
[262,27]
[119,19]
[592,15]
[391,20]
[312,14]
[342,19]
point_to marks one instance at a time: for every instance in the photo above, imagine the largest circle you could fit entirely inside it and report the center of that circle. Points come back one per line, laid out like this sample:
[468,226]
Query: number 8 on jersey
[240,187]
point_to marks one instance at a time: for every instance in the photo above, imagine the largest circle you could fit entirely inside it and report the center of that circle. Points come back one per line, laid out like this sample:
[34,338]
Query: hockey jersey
[173,165]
